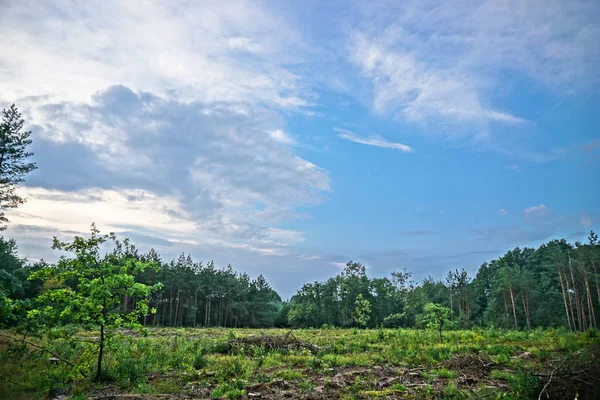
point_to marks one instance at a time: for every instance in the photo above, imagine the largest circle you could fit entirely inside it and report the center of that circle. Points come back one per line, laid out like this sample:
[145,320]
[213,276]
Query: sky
[290,137]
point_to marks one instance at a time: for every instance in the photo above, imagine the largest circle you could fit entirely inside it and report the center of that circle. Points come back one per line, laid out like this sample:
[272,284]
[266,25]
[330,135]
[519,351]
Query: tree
[90,288]
[362,313]
[435,317]
[13,160]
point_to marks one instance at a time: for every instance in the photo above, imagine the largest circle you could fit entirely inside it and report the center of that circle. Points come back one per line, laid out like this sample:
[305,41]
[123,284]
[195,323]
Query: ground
[178,363]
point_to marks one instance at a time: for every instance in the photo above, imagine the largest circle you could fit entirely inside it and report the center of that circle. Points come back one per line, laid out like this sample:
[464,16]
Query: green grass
[352,363]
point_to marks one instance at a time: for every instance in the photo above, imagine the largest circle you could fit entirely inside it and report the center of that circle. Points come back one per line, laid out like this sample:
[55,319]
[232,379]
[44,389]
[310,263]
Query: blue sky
[287,138]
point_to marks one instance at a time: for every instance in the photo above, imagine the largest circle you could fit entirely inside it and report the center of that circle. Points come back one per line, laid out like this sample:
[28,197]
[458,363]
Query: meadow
[181,363]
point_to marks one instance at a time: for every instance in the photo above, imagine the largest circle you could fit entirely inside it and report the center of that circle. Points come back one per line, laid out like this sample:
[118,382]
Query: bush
[199,361]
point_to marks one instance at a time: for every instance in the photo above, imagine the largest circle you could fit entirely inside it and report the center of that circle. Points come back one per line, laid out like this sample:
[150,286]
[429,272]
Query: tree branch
[41,348]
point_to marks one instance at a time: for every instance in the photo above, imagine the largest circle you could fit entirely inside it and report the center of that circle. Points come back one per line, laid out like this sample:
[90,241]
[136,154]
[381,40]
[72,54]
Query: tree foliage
[14,164]
[362,312]
[557,284]
[87,288]
[435,317]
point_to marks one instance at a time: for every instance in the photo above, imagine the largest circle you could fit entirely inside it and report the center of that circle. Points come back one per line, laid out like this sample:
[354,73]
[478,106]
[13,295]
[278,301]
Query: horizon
[287,140]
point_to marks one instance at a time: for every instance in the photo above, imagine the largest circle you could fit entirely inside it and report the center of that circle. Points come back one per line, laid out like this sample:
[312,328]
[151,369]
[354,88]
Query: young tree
[362,313]
[13,160]
[435,316]
[91,287]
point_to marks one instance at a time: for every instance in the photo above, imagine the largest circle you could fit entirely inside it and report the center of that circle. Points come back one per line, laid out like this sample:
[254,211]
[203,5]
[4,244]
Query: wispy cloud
[373,140]
[338,264]
[417,233]
[586,220]
[513,167]
[419,89]
[541,210]
[502,211]
[443,64]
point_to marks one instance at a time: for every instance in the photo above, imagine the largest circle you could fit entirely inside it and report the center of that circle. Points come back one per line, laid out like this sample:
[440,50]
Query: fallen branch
[40,348]
[546,385]
[287,341]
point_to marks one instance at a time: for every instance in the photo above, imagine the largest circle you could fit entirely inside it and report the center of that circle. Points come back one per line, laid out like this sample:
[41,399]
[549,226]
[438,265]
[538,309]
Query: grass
[352,363]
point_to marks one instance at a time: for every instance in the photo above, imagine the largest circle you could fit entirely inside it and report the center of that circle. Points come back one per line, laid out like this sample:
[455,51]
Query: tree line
[191,293]
[556,284]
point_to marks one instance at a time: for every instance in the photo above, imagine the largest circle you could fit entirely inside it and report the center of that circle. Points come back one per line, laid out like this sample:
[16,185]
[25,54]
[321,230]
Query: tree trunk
[100,354]
[506,309]
[562,285]
[209,303]
[596,279]
[577,302]
[156,314]
[227,309]
[575,327]
[195,306]
[219,314]
[177,307]
[101,350]
[171,307]
[591,315]
[512,300]
[525,311]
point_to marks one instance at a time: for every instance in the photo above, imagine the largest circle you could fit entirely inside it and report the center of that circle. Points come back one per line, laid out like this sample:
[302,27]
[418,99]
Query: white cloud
[446,63]
[420,89]
[503,211]
[373,140]
[513,167]
[586,220]
[542,209]
[537,215]
[208,173]
[211,51]
[120,211]
[111,209]
[309,257]
[338,264]
[280,136]
[155,117]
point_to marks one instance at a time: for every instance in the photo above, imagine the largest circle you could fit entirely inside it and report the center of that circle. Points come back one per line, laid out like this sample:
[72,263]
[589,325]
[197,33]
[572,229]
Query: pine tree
[13,160]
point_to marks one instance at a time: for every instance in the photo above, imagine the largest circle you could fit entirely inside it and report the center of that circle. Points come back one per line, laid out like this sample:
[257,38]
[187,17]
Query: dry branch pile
[287,341]
[576,375]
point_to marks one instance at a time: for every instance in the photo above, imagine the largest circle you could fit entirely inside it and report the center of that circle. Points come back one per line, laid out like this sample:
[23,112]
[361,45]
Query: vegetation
[524,326]
[351,364]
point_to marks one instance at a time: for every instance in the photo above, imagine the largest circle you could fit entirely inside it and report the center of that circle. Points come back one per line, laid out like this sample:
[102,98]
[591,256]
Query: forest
[108,321]
[555,285]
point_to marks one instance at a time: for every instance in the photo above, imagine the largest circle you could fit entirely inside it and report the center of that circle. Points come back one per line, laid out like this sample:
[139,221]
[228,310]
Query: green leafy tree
[13,160]
[11,284]
[362,312]
[88,288]
[435,317]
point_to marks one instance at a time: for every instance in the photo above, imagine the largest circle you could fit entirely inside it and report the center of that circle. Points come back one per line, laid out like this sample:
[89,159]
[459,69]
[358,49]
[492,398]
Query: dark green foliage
[555,285]
[14,164]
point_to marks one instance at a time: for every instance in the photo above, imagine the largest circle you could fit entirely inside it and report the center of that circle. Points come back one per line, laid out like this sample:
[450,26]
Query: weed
[233,390]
